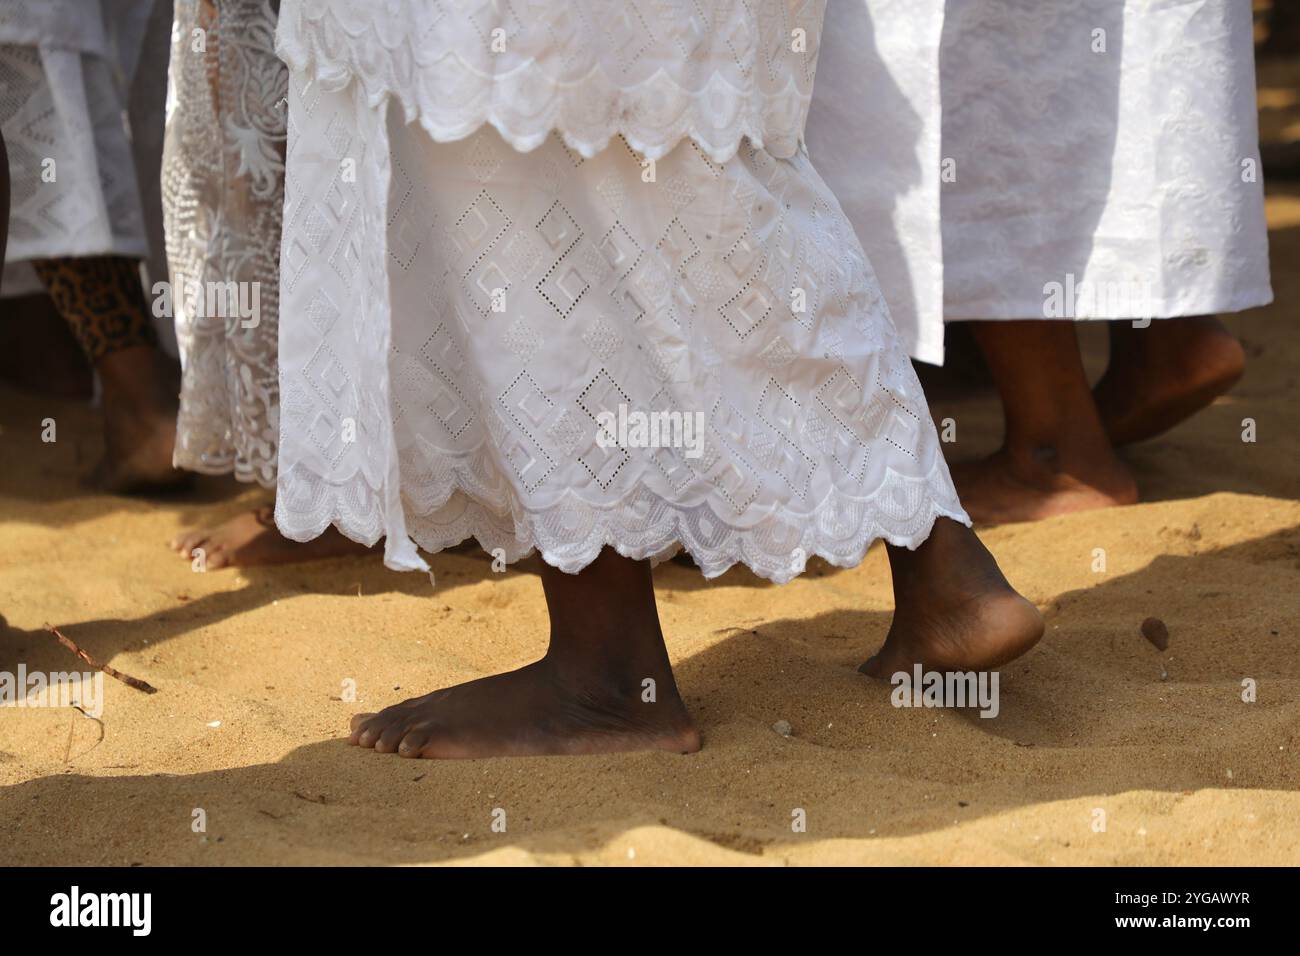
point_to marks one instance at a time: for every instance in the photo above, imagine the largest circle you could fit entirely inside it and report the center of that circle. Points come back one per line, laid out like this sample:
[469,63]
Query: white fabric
[412,406]
[55,24]
[655,71]
[1122,169]
[223,179]
[82,181]
[874,136]
[67,74]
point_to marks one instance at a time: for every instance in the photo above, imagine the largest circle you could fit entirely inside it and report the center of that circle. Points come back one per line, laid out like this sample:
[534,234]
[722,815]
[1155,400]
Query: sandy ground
[1182,770]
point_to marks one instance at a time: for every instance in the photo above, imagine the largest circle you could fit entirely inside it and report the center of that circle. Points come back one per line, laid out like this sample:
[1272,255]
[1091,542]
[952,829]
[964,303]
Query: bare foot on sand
[604,686]
[252,538]
[1160,375]
[954,611]
[1056,457]
[1007,487]
[140,389]
[529,712]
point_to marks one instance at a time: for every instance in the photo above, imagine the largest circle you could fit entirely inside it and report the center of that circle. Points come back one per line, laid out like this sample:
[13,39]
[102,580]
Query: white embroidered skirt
[735,295]
[551,351]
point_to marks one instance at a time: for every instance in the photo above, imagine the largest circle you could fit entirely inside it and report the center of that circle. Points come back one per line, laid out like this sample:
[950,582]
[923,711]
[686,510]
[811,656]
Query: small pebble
[783,728]
[1154,630]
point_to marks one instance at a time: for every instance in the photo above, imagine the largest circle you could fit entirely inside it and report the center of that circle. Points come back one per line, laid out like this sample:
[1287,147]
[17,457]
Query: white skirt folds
[584,341]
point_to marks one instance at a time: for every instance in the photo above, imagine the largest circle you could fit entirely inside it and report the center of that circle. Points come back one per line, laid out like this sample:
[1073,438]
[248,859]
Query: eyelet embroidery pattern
[563,288]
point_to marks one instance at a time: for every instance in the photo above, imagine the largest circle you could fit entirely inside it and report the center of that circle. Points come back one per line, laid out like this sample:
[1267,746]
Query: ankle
[1080,447]
[138,369]
[951,560]
[614,671]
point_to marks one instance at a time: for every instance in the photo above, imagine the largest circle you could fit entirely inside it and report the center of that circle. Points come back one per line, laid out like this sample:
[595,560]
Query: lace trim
[644,525]
[569,87]
[223,189]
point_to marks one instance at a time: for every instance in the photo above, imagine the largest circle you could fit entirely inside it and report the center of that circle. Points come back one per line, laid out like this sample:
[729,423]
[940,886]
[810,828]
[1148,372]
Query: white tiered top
[655,71]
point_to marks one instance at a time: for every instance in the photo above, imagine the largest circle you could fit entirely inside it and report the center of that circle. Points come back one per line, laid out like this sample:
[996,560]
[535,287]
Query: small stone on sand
[1154,630]
[783,728]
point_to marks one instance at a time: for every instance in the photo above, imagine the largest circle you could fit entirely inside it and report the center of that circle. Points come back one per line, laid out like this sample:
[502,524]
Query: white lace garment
[459,317]
[223,184]
[69,117]
[1112,141]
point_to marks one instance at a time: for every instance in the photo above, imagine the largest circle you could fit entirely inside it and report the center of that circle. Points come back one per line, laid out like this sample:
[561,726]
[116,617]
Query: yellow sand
[1094,721]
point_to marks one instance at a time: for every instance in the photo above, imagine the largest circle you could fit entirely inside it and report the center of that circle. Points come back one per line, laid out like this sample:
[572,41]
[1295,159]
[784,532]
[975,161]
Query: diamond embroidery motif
[746,311]
[522,340]
[621,251]
[655,285]
[602,340]
[338,136]
[613,191]
[316,229]
[762,443]
[322,312]
[777,354]
[522,254]
[566,432]
[484,159]
[558,228]
[663,366]
[595,264]
[706,279]
[818,432]
[679,192]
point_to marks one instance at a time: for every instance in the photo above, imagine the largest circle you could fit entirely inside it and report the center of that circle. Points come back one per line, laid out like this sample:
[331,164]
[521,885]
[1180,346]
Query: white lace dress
[509,225]
[223,186]
[81,100]
[1110,146]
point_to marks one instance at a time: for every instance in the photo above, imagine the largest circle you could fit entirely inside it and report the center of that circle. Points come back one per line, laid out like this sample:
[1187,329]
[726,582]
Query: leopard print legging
[102,299]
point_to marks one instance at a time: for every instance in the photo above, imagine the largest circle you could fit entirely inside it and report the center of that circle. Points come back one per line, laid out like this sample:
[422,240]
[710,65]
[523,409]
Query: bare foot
[140,389]
[604,686]
[1163,374]
[1006,487]
[1055,457]
[532,711]
[954,611]
[252,538]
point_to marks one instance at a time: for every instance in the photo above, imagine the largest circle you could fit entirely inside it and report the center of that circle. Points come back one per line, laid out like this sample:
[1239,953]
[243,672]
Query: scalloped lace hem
[225,465]
[571,534]
[452,98]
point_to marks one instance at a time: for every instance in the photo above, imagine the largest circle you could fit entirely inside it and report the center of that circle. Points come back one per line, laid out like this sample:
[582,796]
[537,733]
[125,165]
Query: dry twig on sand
[126,679]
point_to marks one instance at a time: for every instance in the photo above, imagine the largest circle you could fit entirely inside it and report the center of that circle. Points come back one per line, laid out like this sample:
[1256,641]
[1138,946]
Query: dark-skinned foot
[533,711]
[1007,487]
[604,686]
[1163,374]
[953,608]
[140,388]
[252,538]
